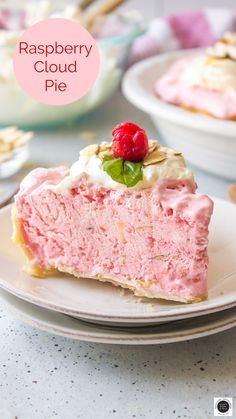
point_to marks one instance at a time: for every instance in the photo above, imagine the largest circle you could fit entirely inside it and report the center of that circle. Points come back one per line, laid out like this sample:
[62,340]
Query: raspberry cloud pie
[204,83]
[126,212]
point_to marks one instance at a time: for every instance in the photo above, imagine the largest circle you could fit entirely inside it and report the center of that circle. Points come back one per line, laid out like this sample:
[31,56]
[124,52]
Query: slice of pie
[205,82]
[126,212]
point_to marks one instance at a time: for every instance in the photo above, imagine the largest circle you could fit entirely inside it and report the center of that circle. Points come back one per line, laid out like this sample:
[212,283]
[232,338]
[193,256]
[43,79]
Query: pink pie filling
[153,241]
[172,89]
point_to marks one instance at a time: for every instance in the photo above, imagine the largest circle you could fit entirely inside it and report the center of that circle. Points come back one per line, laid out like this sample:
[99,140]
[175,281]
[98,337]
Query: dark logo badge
[223,406]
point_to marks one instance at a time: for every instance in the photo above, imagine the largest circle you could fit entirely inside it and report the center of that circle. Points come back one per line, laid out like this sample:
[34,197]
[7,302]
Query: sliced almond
[156,156]
[105,147]
[177,153]
[232,193]
[100,155]
[152,145]
[218,61]
[90,150]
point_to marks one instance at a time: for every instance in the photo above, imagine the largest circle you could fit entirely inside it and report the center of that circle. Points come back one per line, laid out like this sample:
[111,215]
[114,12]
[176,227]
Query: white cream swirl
[90,167]
[216,69]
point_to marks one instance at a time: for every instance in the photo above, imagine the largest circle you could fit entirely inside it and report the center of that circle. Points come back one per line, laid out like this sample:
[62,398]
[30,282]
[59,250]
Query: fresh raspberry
[129,142]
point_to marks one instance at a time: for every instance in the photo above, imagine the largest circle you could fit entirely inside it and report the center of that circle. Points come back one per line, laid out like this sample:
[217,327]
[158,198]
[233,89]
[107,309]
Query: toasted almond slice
[232,193]
[152,145]
[90,150]
[222,40]
[177,153]
[155,157]
[174,152]
[105,147]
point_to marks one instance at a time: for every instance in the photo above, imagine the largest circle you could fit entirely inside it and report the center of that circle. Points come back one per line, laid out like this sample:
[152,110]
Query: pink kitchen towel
[11,19]
[189,29]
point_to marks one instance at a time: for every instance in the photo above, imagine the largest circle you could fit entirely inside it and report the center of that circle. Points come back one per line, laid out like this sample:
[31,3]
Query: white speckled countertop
[44,376]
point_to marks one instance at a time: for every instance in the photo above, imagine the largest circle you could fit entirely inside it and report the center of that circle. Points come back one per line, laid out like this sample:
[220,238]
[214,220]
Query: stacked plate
[86,309]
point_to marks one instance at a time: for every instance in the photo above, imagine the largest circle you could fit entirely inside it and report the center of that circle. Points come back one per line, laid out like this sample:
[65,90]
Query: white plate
[96,301]
[61,324]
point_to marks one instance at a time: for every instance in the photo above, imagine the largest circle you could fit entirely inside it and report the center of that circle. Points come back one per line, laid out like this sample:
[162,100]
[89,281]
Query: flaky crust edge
[30,267]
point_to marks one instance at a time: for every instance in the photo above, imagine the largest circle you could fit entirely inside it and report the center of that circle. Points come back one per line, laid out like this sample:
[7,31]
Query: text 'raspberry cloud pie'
[126,212]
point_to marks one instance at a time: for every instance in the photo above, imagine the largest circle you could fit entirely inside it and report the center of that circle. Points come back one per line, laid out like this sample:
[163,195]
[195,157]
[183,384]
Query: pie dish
[204,83]
[208,143]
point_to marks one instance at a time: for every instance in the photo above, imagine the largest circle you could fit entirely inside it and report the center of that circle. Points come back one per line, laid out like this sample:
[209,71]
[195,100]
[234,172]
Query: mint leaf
[132,173]
[122,171]
[114,168]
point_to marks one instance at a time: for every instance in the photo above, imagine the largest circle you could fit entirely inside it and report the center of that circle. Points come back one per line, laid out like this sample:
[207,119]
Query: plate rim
[147,317]
[183,311]
[218,326]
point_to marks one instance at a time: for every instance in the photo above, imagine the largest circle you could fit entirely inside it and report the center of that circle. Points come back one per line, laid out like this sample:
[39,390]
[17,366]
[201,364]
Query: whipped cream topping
[90,167]
[217,68]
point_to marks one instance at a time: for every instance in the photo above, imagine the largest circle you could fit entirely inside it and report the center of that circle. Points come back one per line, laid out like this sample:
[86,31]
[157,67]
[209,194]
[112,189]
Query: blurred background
[149,8]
